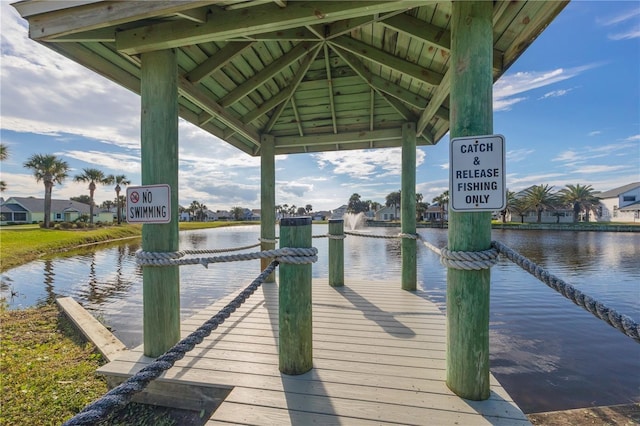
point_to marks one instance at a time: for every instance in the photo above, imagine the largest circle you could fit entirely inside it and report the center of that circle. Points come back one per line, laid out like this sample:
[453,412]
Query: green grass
[20,244]
[47,372]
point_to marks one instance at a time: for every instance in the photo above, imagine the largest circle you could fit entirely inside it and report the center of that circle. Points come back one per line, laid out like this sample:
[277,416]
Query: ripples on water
[548,353]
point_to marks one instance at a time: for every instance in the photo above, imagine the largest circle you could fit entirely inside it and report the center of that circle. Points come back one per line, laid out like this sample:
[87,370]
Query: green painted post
[295,339]
[267,200]
[408,207]
[336,253]
[471,114]
[159,145]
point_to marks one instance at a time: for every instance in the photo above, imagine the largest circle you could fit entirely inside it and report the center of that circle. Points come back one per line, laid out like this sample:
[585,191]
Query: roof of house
[631,207]
[36,205]
[614,193]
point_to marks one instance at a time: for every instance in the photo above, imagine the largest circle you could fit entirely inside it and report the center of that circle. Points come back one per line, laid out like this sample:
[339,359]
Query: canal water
[548,353]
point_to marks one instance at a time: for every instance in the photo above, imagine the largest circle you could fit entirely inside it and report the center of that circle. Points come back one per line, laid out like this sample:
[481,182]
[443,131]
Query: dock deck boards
[378,357]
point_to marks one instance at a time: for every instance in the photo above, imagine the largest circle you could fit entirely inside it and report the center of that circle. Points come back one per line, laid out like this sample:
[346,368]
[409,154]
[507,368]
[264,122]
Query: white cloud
[366,164]
[555,93]
[595,133]
[510,85]
[517,155]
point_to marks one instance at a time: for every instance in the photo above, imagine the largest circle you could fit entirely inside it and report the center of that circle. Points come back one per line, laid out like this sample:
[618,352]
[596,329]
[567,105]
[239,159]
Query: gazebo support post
[159,146]
[471,114]
[267,199]
[408,207]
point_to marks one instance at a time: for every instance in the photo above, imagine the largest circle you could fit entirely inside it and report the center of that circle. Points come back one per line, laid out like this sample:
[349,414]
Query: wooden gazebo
[286,77]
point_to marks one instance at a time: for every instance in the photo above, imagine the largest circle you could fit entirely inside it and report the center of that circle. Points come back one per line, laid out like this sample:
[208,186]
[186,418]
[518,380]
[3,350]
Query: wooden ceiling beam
[332,104]
[439,96]
[343,138]
[388,60]
[218,60]
[102,14]
[229,24]
[283,95]
[206,102]
[265,74]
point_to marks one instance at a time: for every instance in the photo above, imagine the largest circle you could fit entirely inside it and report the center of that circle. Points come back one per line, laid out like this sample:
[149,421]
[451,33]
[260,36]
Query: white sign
[477,174]
[149,204]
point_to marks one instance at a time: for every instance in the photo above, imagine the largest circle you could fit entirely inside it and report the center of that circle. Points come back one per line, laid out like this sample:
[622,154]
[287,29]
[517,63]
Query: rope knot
[469,260]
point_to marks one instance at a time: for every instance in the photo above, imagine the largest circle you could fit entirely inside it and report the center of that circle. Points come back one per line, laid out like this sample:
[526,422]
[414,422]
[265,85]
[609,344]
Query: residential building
[31,210]
[620,204]
[387,213]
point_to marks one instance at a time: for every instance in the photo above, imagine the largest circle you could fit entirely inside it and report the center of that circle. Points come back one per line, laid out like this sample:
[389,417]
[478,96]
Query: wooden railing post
[336,253]
[295,338]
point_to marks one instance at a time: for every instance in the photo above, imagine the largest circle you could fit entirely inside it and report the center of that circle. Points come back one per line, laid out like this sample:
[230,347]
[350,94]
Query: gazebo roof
[316,75]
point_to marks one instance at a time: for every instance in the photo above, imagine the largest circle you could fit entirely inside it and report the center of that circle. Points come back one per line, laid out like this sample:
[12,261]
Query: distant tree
[393,199]
[120,181]
[107,205]
[4,154]
[93,176]
[301,211]
[509,205]
[308,208]
[85,199]
[278,209]
[443,201]
[51,170]
[520,207]
[540,198]
[193,208]
[292,209]
[285,210]
[580,198]
[237,212]
[356,205]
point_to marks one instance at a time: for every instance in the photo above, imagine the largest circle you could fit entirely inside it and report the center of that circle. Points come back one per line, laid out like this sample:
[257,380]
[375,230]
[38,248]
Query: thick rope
[224,250]
[336,236]
[618,321]
[466,260]
[283,255]
[122,394]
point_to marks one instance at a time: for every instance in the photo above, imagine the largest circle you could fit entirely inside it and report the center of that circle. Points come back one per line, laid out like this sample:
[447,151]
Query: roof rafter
[265,74]
[388,60]
[227,24]
[204,101]
[283,95]
[218,60]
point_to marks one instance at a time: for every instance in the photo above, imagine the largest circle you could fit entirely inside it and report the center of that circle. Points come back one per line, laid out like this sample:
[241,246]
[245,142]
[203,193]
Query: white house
[387,213]
[620,204]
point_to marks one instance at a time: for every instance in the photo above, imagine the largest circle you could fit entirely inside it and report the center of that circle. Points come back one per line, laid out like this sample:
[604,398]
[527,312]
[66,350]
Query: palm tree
[49,169]
[92,176]
[540,198]
[4,154]
[308,208]
[580,198]
[509,205]
[119,180]
[194,208]
[443,201]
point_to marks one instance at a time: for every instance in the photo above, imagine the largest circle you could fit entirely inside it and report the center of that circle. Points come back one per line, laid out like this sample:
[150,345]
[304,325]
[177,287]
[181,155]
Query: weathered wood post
[267,200]
[336,252]
[295,341]
[471,114]
[159,145]
[408,207]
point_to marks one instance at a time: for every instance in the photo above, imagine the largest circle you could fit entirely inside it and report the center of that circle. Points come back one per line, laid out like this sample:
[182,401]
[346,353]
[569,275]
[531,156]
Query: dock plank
[378,358]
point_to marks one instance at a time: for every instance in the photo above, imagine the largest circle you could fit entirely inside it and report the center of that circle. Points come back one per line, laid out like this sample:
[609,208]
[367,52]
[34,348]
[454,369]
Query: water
[548,353]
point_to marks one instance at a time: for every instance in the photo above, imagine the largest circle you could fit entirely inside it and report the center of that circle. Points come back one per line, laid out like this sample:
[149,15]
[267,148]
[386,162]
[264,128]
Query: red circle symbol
[134,197]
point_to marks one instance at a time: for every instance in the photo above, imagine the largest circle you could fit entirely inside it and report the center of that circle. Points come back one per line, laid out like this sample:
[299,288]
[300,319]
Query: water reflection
[548,353]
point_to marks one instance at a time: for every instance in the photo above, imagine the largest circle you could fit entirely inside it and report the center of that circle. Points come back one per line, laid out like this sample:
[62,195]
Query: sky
[569,109]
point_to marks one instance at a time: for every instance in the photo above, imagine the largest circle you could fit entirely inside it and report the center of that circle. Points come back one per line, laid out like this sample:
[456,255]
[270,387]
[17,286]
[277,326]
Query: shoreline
[595,227]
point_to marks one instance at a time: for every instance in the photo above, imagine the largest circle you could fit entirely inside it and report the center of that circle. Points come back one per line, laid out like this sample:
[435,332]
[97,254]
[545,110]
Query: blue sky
[569,109]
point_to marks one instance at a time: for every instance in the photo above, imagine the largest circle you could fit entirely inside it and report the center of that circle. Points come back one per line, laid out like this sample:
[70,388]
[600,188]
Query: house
[620,204]
[387,213]
[435,213]
[31,210]
[339,212]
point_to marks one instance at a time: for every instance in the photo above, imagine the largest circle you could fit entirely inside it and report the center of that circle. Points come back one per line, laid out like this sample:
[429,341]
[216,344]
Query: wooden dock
[378,356]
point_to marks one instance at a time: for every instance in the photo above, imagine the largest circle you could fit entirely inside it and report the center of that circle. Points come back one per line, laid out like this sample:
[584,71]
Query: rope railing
[284,255]
[620,322]
[117,397]
[487,258]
